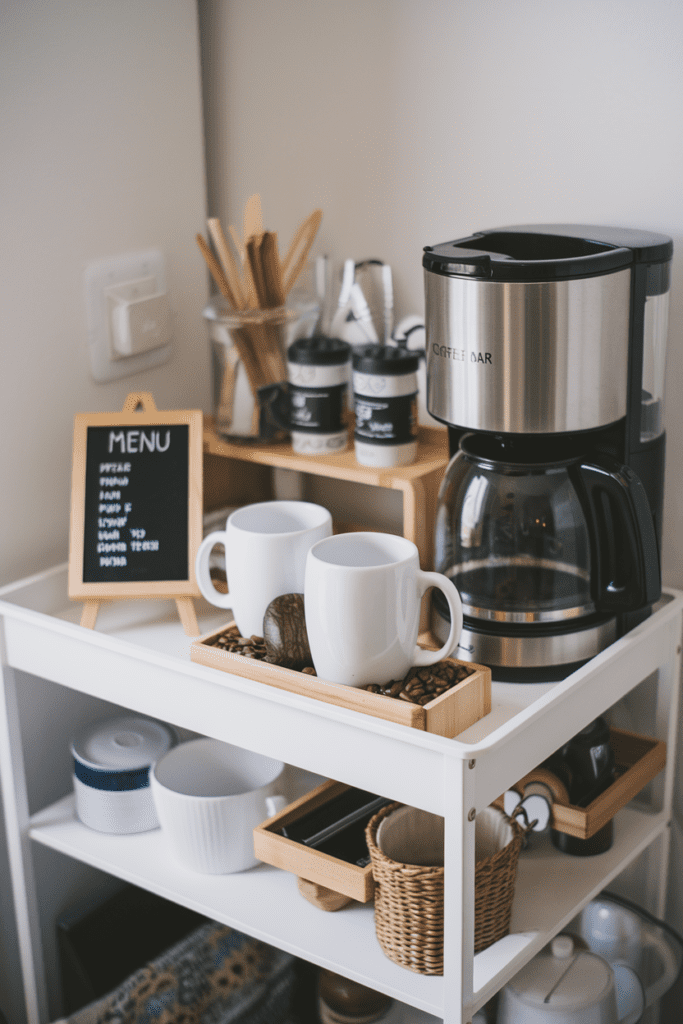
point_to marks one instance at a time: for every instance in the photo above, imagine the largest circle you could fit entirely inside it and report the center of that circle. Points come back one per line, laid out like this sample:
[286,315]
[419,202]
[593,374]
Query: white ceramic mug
[362,598]
[265,556]
[209,798]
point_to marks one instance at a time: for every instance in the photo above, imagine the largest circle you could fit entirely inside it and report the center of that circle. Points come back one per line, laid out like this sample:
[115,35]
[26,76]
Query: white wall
[411,122]
[101,155]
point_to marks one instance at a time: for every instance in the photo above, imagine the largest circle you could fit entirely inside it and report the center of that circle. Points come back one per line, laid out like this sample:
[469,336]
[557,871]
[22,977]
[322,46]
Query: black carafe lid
[546,252]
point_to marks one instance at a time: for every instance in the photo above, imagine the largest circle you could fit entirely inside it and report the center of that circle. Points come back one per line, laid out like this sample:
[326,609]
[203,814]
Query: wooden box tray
[333,874]
[448,715]
[638,760]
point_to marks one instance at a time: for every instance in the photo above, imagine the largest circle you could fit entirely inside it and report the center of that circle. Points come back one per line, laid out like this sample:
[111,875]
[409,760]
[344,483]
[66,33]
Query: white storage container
[112,759]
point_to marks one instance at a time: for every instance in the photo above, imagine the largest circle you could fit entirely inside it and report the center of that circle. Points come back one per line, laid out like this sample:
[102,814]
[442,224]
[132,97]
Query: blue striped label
[113,781]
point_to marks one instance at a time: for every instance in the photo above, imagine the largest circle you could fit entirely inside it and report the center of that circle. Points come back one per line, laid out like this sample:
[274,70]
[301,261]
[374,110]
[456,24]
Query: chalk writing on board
[136,504]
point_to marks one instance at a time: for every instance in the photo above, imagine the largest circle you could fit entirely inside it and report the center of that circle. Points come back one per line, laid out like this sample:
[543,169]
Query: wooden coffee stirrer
[273,297]
[296,257]
[216,271]
[228,264]
[253,217]
[264,264]
[251,297]
[249,358]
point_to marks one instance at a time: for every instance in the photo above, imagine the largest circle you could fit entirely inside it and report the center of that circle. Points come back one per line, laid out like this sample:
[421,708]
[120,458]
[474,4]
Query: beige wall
[411,122]
[101,154]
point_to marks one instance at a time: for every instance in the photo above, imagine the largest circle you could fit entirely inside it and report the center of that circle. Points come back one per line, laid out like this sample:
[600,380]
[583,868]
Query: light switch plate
[105,362]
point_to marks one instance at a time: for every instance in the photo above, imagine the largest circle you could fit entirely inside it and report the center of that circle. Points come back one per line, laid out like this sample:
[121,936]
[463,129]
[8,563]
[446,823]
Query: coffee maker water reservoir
[546,360]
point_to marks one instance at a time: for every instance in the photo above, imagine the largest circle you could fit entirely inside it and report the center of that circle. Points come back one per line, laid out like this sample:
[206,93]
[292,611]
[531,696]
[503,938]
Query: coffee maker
[545,358]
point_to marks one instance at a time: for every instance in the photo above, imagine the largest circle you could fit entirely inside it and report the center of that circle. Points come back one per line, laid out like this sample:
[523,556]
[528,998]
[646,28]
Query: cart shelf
[139,658]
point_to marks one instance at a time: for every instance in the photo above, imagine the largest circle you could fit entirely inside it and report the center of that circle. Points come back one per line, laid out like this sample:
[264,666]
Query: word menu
[136,504]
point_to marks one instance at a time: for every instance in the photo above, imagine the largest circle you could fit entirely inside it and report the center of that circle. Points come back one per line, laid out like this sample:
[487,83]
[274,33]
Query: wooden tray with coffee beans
[444,699]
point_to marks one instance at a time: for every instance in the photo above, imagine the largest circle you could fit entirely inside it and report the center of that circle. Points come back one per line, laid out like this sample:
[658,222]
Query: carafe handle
[625,572]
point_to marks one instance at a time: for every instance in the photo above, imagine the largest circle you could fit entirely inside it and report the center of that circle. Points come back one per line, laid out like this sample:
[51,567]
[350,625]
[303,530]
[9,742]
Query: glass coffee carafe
[545,554]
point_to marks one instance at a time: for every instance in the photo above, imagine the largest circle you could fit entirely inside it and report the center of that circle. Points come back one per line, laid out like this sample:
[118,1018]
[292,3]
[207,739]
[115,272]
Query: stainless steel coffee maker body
[550,342]
[491,342]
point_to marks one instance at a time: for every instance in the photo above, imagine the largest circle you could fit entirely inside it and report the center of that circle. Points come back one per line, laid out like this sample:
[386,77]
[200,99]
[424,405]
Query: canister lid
[122,744]
[319,351]
[389,360]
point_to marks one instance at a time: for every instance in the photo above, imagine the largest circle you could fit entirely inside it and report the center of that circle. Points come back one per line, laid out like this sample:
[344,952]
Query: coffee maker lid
[546,252]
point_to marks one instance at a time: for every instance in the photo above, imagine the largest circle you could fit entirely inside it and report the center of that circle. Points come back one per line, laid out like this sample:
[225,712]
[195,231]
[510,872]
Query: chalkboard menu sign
[136,511]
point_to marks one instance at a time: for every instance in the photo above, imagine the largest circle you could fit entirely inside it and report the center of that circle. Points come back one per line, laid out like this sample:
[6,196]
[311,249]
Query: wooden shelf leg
[89,614]
[15,803]
[188,615]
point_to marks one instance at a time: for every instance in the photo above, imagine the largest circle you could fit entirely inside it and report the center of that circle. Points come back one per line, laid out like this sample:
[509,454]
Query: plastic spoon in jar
[388,293]
[348,277]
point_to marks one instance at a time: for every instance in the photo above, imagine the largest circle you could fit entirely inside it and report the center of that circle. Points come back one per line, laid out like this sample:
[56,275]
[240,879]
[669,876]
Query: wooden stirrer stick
[228,264]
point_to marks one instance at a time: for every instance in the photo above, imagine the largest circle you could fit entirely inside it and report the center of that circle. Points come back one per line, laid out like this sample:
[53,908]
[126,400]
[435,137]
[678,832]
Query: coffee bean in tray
[286,644]
[423,685]
[249,647]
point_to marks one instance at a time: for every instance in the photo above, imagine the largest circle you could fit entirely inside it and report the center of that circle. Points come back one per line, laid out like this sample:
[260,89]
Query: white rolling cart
[139,659]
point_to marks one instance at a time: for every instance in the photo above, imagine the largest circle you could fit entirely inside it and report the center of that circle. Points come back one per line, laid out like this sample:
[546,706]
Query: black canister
[586,766]
[318,369]
[385,405]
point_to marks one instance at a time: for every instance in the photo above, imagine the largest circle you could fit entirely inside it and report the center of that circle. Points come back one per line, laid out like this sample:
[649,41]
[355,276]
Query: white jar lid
[124,743]
[563,978]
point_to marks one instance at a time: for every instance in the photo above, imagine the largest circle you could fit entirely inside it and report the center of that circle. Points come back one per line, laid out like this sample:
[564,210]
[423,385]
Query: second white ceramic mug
[209,797]
[362,596]
[265,556]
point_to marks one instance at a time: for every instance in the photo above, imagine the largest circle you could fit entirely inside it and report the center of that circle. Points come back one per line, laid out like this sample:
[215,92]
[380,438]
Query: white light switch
[140,317]
[129,318]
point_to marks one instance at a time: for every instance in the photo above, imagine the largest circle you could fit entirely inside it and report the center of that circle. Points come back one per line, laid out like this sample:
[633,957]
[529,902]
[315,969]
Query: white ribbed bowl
[209,797]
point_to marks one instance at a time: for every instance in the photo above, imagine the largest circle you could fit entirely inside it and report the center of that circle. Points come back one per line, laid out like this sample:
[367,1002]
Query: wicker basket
[409,901]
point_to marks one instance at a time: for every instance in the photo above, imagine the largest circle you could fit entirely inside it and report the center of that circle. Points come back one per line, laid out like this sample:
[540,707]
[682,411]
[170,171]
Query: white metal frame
[139,658]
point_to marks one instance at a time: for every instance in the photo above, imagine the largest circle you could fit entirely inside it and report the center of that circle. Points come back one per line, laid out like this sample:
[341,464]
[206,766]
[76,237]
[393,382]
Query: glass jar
[249,367]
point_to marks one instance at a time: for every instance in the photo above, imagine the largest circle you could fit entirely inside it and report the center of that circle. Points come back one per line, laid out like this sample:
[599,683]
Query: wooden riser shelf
[419,482]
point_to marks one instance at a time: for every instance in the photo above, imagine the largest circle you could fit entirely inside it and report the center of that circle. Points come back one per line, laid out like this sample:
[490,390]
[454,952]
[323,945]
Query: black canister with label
[385,405]
[318,369]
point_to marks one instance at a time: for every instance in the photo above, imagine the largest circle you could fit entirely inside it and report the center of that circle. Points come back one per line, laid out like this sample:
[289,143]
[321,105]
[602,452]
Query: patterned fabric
[214,976]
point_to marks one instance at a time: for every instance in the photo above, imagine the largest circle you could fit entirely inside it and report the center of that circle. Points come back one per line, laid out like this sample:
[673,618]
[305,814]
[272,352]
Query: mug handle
[201,567]
[437,579]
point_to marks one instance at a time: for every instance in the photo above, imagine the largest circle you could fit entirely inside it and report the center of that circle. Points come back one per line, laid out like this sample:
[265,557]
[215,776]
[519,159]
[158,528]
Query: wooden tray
[638,760]
[330,872]
[447,715]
